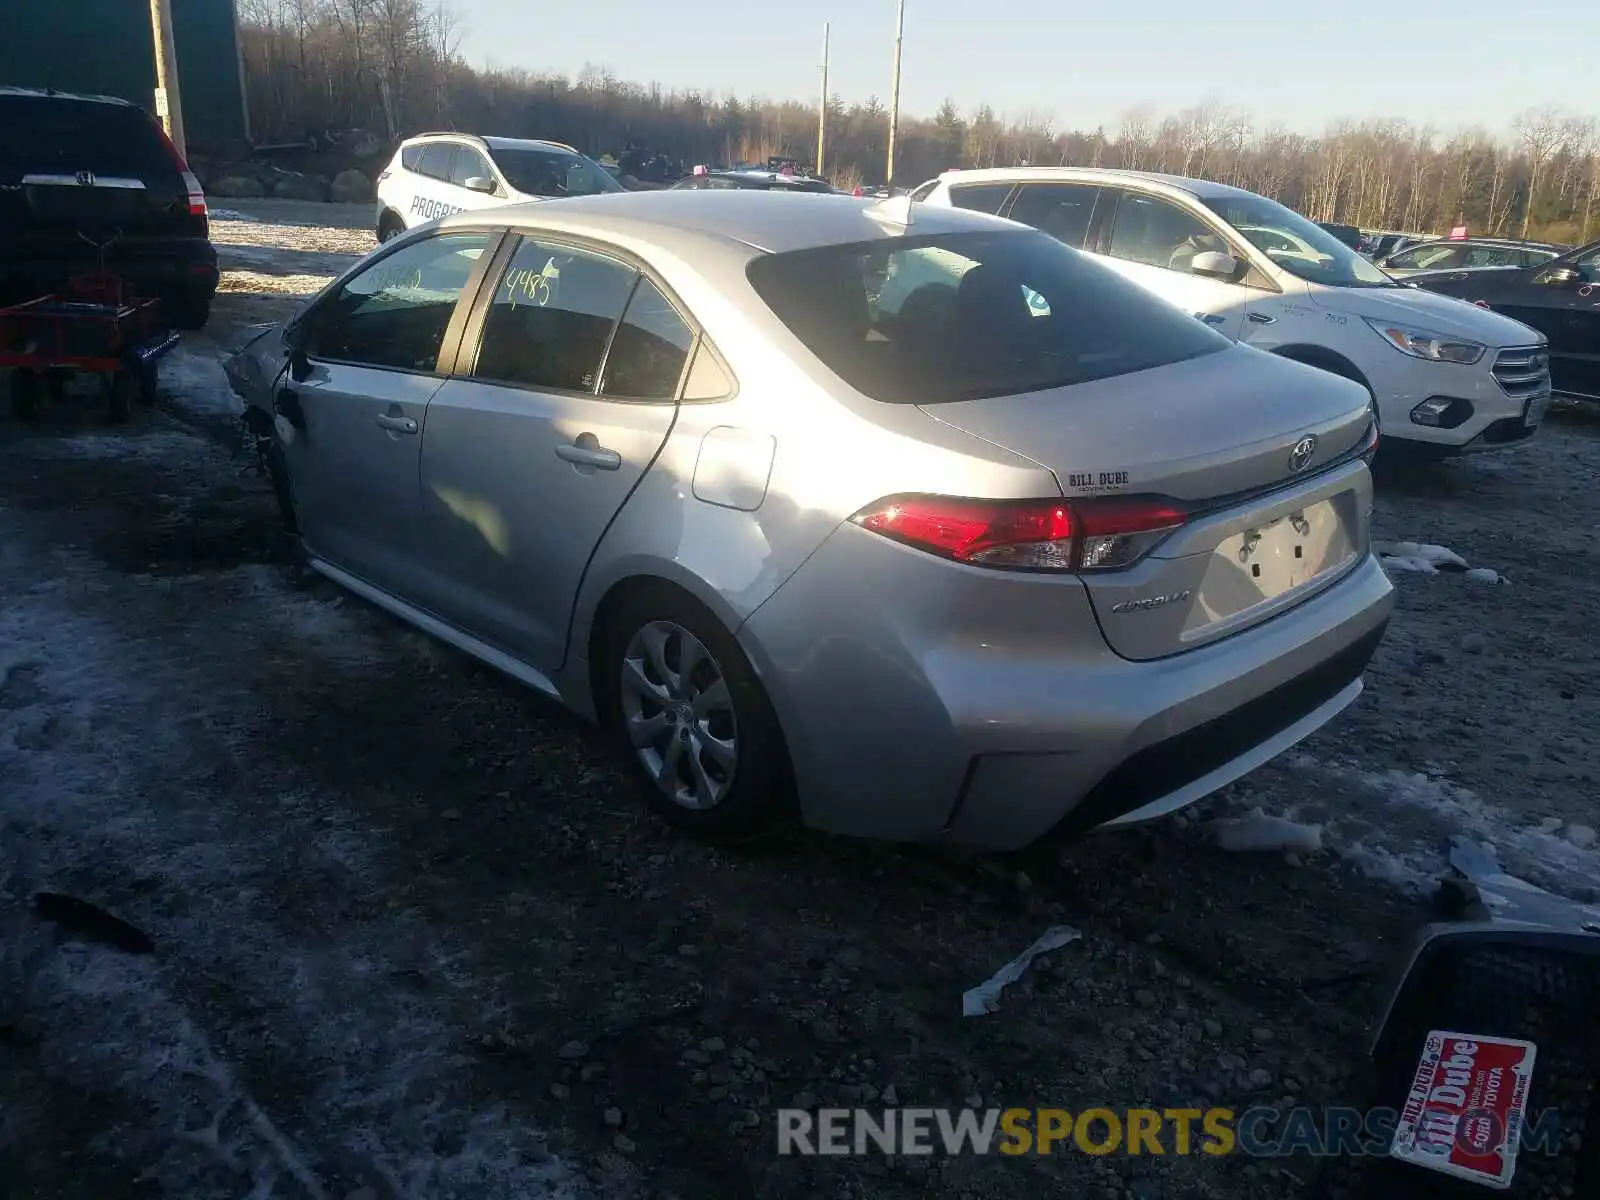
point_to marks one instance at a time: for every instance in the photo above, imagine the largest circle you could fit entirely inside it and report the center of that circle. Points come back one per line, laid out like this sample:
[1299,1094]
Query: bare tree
[1542,131]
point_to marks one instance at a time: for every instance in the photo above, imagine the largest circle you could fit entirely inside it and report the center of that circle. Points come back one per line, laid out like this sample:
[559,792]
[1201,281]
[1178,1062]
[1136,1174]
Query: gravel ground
[413,935]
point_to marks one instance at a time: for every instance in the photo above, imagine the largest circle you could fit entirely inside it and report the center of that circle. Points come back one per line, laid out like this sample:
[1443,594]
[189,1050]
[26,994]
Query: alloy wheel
[678,714]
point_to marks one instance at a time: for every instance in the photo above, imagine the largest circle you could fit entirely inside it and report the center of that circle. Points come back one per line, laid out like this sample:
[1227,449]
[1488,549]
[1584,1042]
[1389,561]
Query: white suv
[435,174]
[1445,375]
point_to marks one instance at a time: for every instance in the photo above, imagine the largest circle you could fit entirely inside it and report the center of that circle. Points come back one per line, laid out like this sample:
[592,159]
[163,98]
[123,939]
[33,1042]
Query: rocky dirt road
[413,936]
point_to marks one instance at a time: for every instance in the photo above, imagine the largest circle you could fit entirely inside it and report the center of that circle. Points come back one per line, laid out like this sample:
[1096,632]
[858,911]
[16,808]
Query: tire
[26,390]
[188,312]
[390,227]
[120,391]
[669,727]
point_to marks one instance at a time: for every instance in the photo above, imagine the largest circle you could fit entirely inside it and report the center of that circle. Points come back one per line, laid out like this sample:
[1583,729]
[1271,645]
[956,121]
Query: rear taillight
[196,197]
[1026,535]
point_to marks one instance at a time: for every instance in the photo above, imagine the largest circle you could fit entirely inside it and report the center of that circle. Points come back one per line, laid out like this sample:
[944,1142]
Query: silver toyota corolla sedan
[913,521]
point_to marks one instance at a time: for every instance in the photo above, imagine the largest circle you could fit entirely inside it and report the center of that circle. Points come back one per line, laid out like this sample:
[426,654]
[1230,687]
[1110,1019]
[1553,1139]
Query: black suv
[90,183]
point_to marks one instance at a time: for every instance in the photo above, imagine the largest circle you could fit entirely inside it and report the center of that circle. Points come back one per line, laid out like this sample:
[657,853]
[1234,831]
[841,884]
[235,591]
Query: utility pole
[894,90]
[822,110]
[169,105]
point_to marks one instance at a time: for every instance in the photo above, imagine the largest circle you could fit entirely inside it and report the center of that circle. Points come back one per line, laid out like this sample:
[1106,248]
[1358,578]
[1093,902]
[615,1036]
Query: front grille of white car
[1524,371]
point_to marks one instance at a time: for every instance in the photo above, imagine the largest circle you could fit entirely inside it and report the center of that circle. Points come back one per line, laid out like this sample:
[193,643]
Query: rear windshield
[949,317]
[553,173]
[43,135]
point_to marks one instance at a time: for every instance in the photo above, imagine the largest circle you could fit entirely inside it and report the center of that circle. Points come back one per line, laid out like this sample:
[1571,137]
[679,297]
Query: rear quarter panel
[832,452]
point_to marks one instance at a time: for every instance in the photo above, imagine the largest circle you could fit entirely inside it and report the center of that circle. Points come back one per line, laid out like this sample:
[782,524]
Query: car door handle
[589,455]
[395,424]
[1260,318]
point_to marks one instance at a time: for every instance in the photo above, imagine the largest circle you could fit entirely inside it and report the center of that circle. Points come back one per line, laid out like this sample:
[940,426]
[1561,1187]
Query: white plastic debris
[1581,836]
[1257,831]
[985,998]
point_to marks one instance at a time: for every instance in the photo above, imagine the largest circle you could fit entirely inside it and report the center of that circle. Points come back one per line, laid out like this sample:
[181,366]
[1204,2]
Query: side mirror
[480,183]
[1561,275]
[294,341]
[1214,264]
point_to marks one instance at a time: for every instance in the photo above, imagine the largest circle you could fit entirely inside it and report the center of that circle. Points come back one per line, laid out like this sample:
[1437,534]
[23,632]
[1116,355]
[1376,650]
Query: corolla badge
[1146,603]
[1301,453]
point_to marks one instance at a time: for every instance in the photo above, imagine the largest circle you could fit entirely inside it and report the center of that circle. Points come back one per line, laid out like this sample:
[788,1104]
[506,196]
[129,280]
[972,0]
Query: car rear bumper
[931,702]
[187,267]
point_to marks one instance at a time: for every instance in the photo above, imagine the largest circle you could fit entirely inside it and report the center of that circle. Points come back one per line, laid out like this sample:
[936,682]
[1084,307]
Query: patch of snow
[1397,826]
[1424,558]
[196,383]
[229,214]
[1435,556]
[236,280]
[124,707]
[1258,831]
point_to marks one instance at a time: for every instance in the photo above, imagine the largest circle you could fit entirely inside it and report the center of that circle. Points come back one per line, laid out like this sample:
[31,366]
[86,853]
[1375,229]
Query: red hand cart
[91,325]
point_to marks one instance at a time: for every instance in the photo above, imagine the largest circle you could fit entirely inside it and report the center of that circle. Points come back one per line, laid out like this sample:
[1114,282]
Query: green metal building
[106,47]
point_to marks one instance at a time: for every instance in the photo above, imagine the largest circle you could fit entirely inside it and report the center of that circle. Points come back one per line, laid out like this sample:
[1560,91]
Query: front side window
[949,317]
[1491,256]
[552,316]
[553,173]
[980,197]
[1532,258]
[1063,210]
[1150,230]
[394,314]
[1312,253]
[651,345]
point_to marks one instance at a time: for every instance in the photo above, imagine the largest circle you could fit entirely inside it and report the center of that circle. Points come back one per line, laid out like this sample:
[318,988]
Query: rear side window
[980,197]
[649,350]
[41,135]
[436,159]
[1063,210]
[552,316]
[950,317]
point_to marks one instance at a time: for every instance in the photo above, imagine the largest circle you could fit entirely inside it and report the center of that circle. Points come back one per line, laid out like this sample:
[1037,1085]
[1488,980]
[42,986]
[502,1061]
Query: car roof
[682,220]
[1201,189]
[1485,241]
[49,94]
[490,142]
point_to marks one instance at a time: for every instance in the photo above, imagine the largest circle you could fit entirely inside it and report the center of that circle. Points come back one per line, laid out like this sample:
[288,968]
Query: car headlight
[1420,343]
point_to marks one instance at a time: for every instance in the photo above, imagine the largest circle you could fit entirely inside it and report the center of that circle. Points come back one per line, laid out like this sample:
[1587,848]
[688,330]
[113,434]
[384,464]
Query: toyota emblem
[1302,452]
[86,178]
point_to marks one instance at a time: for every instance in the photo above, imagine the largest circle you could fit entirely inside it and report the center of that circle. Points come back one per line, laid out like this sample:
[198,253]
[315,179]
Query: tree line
[394,67]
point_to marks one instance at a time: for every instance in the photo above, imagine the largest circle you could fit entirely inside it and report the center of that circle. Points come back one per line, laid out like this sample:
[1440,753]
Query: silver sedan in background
[911,521]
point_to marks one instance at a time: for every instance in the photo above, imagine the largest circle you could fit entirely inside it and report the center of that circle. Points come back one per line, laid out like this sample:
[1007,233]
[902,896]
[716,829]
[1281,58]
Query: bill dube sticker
[1463,1116]
[1089,482]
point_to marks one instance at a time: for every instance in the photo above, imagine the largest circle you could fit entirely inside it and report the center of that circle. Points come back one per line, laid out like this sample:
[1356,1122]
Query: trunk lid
[1269,527]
